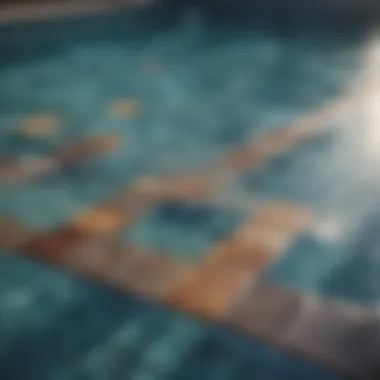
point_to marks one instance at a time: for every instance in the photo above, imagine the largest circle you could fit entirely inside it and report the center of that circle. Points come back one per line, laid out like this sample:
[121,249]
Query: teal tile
[183,229]
[305,264]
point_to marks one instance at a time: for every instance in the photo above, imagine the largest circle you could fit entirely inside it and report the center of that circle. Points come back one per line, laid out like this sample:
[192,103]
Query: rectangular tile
[88,147]
[267,311]
[109,261]
[208,291]
[334,334]
[54,246]
[13,234]
[112,214]
[188,186]
[346,338]
[285,217]
[155,276]
[16,170]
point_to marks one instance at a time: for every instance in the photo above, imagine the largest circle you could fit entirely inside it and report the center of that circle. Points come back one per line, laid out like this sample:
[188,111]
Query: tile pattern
[108,334]
[343,336]
[121,179]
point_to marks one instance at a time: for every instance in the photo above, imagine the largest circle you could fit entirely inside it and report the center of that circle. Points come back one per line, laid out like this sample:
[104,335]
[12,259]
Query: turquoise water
[183,229]
[55,326]
[202,88]
[211,89]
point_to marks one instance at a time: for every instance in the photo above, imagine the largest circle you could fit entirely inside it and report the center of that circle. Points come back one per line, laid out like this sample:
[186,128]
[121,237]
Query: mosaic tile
[124,107]
[38,126]
[98,220]
[286,218]
[224,100]
[87,148]
[155,277]
[208,291]
[18,170]
[335,334]
[191,186]
[356,279]
[182,229]
[12,234]
[106,332]
[305,264]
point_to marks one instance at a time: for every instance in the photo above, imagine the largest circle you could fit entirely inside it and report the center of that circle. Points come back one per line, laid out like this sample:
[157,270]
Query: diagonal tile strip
[211,287]
[337,335]
[102,258]
[13,234]
[16,170]
[123,207]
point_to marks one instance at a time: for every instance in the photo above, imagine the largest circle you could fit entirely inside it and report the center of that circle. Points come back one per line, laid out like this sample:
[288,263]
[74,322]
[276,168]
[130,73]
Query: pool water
[177,92]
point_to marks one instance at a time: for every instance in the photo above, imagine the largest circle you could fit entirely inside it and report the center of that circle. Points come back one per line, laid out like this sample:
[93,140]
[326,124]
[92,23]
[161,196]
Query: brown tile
[241,158]
[156,276]
[252,247]
[129,202]
[16,170]
[12,234]
[98,220]
[176,186]
[232,254]
[284,217]
[54,246]
[91,146]
[39,126]
[334,334]
[209,291]
[127,107]
[94,256]
[267,311]
[342,336]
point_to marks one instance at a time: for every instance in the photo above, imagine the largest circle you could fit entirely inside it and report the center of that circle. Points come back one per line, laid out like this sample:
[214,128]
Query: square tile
[209,291]
[305,264]
[184,230]
[13,234]
[98,219]
[267,311]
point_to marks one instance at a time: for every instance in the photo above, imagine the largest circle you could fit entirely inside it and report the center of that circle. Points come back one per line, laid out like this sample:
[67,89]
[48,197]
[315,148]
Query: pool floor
[185,200]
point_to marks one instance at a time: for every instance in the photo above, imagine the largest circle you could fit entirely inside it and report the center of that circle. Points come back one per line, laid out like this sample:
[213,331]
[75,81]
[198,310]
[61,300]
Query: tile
[356,278]
[334,334]
[89,147]
[346,338]
[18,170]
[188,186]
[155,276]
[124,108]
[241,159]
[13,234]
[182,229]
[98,220]
[267,311]
[305,264]
[128,202]
[208,291]
[39,126]
[285,217]
[54,246]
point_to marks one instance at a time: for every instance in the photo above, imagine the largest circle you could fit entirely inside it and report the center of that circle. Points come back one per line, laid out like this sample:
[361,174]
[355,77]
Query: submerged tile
[305,264]
[183,229]
[39,126]
[338,335]
[13,234]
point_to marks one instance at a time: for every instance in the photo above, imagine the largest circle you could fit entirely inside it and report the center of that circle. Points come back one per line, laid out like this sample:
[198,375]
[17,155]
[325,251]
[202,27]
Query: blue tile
[183,229]
[357,278]
[305,264]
